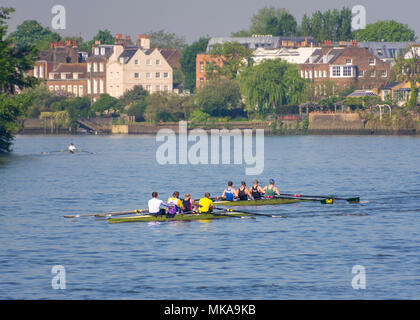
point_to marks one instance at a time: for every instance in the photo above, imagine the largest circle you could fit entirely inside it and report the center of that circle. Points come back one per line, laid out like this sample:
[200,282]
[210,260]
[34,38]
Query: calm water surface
[307,254]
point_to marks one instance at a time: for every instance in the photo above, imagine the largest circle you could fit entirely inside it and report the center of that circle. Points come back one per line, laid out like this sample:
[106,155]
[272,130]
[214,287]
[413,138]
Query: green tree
[104,36]
[32,34]
[274,21]
[166,40]
[106,103]
[388,30]
[271,84]
[159,108]
[332,25]
[136,94]
[138,109]
[14,63]
[218,98]
[233,58]
[188,60]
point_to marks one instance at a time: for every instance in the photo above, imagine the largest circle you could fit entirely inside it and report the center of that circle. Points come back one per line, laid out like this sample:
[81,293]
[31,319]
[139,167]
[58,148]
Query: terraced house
[131,65]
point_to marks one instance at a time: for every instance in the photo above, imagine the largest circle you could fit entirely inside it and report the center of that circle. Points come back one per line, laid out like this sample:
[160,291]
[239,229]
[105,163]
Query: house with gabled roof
[131,65]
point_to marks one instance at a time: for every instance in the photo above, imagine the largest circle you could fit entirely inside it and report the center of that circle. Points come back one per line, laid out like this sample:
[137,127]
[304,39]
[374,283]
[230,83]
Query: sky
[189,18]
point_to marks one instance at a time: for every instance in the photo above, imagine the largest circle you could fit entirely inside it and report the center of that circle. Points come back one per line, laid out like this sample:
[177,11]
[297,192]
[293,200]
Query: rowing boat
[177,217]
[260,202]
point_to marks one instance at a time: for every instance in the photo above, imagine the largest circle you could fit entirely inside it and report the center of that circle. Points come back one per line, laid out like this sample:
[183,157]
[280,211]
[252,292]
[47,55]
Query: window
[165,75]
[36,72]
[136,75]
[51,76]
[373,74]
[63,76]
[165,88]
[158,88]
[383,74]
[111,75]
[348,61]
[122,60]
[89,67]
[101,67]
[75,90]
[325,73]
[306,74]
[69,88]
[148,87]
[101,86]
[148,61]
[95,67]
[201,81]
[361,73]
[315,74]
[75,75]
[310,74]
[63,88]
[41,71]
[80,90]
[302,74]
[51,88]
[102,51]
[347,71]
[372,61]
[96,51]
[157,75]
[379,51]
[201,66]
[148,75]
[95,86]
[157,61]
[136,61]
[336,71]
[57,88]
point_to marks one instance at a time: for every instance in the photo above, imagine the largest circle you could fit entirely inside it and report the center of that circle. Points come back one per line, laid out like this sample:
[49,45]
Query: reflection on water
[307,253]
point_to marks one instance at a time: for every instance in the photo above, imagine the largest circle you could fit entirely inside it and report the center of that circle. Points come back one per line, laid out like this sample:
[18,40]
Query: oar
[247,212]
[106,214]
[353,199]
[323,201]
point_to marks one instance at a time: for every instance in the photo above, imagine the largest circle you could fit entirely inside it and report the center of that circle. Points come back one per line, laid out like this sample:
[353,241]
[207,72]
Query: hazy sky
[190,18]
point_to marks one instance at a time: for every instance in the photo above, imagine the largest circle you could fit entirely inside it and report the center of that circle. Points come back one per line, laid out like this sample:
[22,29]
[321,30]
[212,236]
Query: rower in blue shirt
[229,193]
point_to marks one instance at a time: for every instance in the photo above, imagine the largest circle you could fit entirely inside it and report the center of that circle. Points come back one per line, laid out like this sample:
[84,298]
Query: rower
[256,191]
[155,205]
[271,190]
[243,192]
[174,204]
[206,205]
[229,193]
[72,148]
[189,204]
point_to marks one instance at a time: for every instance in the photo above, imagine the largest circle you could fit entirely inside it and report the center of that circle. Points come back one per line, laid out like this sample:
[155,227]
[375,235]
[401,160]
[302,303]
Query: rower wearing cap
[256,191]
[229,193]
[271,190]
[206,205]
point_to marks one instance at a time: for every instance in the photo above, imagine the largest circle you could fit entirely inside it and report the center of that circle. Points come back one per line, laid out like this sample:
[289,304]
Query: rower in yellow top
[206,205]
[271,190]
[174,204]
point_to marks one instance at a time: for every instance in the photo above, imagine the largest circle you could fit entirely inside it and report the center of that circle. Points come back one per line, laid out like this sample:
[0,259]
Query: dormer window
[75,75]
[122,60]
[349,61]
[63,76]
[372,61]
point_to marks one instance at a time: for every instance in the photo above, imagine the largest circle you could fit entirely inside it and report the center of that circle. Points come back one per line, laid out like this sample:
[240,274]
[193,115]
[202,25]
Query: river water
[308,253]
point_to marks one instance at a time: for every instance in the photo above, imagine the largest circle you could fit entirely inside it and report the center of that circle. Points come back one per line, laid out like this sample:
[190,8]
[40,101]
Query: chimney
[145,42]
[138,42]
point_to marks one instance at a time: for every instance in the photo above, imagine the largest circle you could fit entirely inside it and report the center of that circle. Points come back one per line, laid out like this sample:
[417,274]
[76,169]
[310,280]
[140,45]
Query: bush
[199,116]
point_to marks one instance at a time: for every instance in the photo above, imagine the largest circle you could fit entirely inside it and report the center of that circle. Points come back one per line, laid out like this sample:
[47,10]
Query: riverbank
[313,124]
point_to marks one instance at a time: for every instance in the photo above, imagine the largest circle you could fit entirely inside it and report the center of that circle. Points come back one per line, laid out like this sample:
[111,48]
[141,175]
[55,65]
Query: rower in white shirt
[155,205]
[72,148]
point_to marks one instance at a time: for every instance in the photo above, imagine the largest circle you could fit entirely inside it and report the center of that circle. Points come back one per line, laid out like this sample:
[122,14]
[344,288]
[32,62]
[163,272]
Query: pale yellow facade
[147,68]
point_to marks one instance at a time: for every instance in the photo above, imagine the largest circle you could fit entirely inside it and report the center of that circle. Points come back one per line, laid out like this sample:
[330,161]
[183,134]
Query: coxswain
[189,204]
[72,148]
[243,192]
[229,193]
[271,190]
[155,205]
[206,205]
[174,204]
[256,191]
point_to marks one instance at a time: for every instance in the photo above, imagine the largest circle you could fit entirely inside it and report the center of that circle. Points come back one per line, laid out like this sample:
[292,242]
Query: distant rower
[256,191]
[271,190]
[205,204]
[72,148]
[229,193]
[243,192]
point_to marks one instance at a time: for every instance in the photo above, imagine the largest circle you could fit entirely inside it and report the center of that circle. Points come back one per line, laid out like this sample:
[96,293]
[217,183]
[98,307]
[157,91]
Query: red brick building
[202,60]
[346,66]
[69,78]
